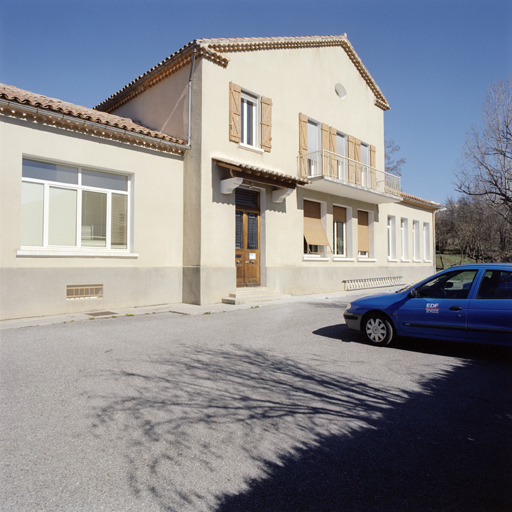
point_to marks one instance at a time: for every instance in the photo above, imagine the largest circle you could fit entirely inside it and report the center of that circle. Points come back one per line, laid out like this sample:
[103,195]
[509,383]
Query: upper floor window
[426,242]
[250,118]
[65,206]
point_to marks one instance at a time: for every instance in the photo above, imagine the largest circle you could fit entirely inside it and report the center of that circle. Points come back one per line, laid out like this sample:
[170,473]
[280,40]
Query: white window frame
[250,102]
[391,235]
[427,249]
[73,250]
[404,237]
[314,146]
[365,164]
[416,240]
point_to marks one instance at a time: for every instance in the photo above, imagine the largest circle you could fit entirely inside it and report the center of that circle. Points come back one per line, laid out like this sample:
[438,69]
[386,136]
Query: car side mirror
[414,294]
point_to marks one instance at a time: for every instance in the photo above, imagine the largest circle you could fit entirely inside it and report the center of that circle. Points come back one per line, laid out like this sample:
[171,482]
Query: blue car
[462,303]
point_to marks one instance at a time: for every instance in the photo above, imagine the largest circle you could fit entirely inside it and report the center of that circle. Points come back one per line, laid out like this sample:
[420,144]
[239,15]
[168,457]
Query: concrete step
[253,294]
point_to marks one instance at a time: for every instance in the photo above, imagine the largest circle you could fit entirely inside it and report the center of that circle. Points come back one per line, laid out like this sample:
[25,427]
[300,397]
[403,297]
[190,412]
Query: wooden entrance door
[247,250]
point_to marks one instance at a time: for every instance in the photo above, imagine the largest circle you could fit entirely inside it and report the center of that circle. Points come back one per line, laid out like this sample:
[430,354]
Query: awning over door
[260,175]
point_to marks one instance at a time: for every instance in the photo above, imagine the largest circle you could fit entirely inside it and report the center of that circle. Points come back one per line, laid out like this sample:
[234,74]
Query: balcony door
[247,243]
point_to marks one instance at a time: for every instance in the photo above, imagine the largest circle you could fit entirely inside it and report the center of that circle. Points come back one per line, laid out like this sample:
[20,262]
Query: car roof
[507,266]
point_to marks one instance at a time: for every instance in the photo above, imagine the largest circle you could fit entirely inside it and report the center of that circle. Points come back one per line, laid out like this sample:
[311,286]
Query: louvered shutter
[357,158]
[266,124]
[303,145]
[235,115]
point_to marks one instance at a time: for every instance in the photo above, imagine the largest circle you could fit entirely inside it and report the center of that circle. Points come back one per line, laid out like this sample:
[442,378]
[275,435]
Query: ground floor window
[315,239]
[66,206]
[363,234]
[340,230]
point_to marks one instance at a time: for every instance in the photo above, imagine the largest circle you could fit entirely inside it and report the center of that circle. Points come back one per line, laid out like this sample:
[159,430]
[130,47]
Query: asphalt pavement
[264,407]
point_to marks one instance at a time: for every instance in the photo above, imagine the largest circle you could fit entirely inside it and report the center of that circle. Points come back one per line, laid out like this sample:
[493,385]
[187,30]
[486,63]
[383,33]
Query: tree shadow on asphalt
[249,430]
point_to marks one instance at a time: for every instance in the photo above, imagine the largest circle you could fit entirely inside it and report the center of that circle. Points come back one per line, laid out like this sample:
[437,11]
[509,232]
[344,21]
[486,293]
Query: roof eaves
[15,102]
[156,74]
[277,43]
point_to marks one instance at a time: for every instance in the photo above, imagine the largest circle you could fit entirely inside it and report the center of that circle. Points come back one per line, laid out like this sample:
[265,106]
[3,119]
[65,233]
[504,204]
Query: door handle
[455,308]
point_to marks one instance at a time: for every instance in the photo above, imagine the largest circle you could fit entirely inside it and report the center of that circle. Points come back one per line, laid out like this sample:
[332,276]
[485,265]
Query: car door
[490,312]
[438,307]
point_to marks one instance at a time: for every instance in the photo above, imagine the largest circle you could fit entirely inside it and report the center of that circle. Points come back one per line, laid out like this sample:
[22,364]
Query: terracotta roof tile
[215,50]
[45,103]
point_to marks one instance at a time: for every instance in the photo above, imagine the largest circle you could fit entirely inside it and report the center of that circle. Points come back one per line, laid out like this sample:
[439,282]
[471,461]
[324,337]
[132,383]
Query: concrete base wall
[42,291]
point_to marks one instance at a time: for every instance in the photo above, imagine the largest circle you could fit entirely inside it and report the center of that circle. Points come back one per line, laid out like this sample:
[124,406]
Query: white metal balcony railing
[348,172]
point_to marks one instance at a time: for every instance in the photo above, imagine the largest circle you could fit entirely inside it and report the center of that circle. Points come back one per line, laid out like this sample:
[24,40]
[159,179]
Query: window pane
[239,230]
[50,172]
[339,238]
[62,217]
[94,219]
[496,284]
[32,214]
[104,180]
[451,285]
[252,231]
[119,221]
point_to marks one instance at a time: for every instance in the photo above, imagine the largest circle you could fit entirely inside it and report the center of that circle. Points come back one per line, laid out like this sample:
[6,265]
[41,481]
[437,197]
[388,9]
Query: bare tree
[486,169]
[392,165]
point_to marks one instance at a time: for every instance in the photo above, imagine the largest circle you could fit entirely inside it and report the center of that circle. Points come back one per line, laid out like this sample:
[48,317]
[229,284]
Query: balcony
[338,175]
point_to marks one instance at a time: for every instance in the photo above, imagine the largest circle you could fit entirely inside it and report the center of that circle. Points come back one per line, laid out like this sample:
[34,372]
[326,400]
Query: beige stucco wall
[296,81]
[163,107]
[150,274]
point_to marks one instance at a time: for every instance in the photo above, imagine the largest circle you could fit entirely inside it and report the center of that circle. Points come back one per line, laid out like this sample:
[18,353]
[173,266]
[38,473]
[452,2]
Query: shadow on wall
[246,430]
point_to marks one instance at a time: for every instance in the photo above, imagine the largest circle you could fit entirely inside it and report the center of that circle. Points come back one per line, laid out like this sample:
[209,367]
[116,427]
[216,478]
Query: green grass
[450,260]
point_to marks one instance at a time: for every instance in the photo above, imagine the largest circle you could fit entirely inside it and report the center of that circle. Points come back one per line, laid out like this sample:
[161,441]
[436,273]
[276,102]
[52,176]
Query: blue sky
[433,60]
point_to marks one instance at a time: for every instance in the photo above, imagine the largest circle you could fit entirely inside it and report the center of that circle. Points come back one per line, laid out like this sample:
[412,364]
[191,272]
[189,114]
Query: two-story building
[234,164]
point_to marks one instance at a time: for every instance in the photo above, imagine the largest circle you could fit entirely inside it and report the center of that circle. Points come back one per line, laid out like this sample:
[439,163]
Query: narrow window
[340,230]
[363,234]
[426,241]
[404,237]
[416,240]
[391,238]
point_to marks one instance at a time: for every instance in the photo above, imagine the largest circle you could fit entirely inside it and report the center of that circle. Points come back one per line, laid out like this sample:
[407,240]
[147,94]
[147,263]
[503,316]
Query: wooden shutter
[339,214]
[373,171]
[313,229]
[357,158]
[351,142]
[266,124]
[235,114]
[363,232]
[303,144]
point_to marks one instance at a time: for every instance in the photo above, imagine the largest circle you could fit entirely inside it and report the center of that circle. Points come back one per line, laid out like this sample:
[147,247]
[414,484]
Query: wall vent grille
[91,291]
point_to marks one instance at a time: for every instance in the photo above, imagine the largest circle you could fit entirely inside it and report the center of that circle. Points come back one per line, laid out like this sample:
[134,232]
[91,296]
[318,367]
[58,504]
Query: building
[235,163]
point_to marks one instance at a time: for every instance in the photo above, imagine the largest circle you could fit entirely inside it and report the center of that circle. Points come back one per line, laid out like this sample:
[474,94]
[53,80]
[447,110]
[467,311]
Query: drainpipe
[190,95]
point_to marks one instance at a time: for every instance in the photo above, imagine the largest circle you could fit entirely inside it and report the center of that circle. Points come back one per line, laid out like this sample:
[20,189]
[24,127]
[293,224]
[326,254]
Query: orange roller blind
[363,232]
[313,229]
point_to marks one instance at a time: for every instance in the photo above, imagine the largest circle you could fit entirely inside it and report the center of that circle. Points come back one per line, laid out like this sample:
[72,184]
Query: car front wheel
[378,329]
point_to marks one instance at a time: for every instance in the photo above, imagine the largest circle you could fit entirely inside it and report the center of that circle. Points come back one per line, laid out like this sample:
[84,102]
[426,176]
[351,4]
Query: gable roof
[215,50]
[21,103]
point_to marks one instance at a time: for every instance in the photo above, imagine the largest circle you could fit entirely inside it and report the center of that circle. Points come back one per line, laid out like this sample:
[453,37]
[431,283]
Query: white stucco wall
[150,274]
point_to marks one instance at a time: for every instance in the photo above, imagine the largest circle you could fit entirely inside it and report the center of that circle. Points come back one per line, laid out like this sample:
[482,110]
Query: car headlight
[349,305]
